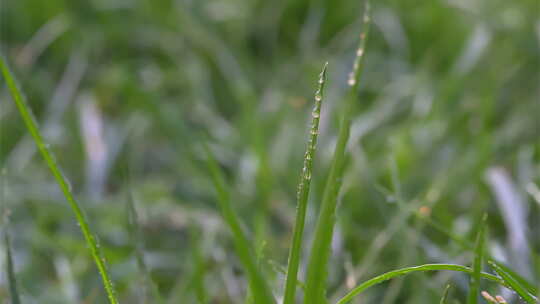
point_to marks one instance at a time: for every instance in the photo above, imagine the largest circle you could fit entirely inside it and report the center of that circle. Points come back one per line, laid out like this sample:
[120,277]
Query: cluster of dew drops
[314,131]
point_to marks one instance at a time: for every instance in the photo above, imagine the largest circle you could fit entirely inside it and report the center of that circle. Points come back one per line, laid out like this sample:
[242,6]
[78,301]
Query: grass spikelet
[49,158]
[303,193]
[320,250]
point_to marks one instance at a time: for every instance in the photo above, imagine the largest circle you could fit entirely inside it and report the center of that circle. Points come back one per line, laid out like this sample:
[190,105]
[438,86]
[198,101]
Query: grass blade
[445,294]
[10,270]
[474,285]
[520,279]
[260,291]
[47,154]
[303,194]
[137,239]
[320,250]
[403,271]
[514,284]
[468,245]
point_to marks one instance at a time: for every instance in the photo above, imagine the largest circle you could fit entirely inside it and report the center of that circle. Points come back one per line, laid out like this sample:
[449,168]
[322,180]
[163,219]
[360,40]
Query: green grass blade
[47,154]
[303,194]
[137,239]
[260,291]
[474,285]
[403,271]
[519,278]
[514,284]
[445,294]
[320,250]
[468,245]
[10,270]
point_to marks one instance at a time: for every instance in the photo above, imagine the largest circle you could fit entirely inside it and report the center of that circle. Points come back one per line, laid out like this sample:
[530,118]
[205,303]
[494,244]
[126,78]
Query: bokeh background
[446,127]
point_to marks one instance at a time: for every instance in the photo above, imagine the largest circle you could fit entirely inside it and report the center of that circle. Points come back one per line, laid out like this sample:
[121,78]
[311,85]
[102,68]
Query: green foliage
[450,96]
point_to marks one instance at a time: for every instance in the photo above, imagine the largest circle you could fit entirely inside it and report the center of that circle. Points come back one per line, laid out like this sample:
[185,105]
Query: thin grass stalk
[320,250]
[260,291]
[303,194]
[48,156]
[445,294]
[474,285]
[137,240]
[403,271]
[10,270]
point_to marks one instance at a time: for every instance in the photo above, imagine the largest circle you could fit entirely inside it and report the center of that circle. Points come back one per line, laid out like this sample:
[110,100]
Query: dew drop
[315,114]
[360,52]
[318,97]
[314,132]
[351,81]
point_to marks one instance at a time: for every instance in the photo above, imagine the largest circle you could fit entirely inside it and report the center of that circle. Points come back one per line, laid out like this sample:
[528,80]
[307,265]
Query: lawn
[266,152]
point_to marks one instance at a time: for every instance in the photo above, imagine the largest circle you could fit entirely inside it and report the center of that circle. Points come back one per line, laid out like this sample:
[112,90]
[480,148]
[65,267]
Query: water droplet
[318,97]
[314,132]
[351,81]
[316,114]
[308,156]
[321,80]
[307,174]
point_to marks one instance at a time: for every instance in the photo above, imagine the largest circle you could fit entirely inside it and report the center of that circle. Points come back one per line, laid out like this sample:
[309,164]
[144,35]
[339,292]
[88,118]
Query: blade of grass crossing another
[260,291]
[474,282]
[303,194]
[403,271]
[514,284]
[47,154]
[320,250]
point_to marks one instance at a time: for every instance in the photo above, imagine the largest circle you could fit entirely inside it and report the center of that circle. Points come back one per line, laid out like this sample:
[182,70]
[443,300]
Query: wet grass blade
[427,267]
[10,270]
[49,158]
[303,194]
[514,284]
[259,289]
[474,283]
[445,294]
[320,250]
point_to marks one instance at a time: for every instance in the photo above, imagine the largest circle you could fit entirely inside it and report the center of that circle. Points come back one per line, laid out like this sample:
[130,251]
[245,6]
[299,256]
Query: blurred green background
[447,123]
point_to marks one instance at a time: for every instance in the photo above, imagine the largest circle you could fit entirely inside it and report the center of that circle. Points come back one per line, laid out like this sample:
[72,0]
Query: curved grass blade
[445,294]
[474,285]
[465,244]
[403,271]
[303,194]
[320,250]
[514,284]
[260,291]
[47,154]
[12,282]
